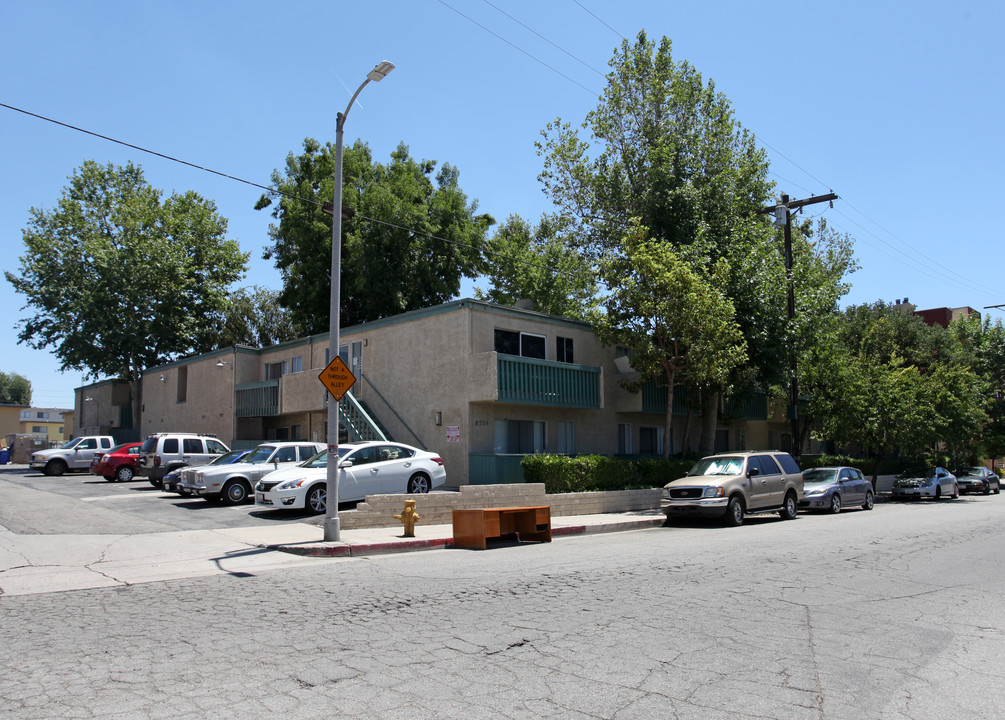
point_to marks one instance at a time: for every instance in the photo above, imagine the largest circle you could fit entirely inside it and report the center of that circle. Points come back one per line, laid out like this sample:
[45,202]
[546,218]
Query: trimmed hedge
[585,473]
[889,466]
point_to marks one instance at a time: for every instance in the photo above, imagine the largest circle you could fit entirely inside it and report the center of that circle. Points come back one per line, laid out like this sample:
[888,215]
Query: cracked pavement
[893,613]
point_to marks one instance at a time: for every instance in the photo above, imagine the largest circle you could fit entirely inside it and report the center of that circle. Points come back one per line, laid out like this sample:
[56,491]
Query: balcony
[544,382]
[750,407]
[258,399]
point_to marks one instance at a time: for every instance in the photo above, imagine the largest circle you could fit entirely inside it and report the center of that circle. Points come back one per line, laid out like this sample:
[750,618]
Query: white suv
[233,483]
[163,452]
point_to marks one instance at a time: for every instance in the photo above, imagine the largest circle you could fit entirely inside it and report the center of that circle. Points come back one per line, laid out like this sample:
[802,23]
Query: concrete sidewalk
[307,538]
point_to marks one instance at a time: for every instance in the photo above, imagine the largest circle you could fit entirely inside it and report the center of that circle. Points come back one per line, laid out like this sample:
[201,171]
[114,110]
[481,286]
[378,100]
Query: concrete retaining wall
[436,508]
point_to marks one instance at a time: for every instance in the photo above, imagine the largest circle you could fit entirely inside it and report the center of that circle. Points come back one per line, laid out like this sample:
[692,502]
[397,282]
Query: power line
[595,17]
[520,49]
[555,45]
[276,191]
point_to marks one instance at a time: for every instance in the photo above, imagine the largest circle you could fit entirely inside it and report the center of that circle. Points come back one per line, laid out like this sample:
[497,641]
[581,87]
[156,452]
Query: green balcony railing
[544,382]
[258,399]
[654,399]
[750,407]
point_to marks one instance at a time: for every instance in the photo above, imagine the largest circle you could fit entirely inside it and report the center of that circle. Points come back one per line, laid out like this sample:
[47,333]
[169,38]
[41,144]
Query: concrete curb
[359,549]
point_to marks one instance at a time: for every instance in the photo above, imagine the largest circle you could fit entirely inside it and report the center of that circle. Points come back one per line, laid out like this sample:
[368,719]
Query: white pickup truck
[75,455]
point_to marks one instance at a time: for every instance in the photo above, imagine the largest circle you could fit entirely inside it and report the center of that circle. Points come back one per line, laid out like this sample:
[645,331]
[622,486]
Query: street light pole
[332,526]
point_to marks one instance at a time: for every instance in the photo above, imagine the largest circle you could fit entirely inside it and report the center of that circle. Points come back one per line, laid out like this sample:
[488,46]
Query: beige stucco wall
[207,405]
[413,368]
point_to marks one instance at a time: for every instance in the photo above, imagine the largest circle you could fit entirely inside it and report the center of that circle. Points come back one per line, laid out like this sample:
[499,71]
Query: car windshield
[73,443]
[819,475]
[228,458]
[259,455]
[321,459]
[970,471]
[718,466]
[119,448]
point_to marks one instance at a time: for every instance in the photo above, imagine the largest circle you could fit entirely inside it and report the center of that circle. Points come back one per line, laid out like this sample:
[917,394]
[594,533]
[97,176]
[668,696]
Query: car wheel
[157,483]
[55,467]
[835,503]
[938,492]
[734,512]
[317,499]
[788,511]
[998,489]
[956,491]
[234,493]
[418,483]
[125,473]
[870,500]
[109,478]
[987,489]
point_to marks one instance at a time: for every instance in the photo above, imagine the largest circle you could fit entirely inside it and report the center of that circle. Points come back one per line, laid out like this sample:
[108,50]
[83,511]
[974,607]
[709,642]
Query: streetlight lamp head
[221,363]
[381,71]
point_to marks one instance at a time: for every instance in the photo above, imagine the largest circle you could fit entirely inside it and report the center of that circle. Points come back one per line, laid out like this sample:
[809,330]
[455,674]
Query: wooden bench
[473,527]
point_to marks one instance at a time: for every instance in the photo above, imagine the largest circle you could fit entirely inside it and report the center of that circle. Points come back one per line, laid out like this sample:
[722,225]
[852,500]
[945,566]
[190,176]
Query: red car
[118,464]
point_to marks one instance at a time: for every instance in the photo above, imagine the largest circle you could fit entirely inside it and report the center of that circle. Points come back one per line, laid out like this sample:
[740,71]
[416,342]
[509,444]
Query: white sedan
[367,468]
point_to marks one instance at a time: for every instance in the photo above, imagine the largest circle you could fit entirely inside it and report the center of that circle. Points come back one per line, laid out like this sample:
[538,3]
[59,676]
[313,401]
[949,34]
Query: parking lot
[51,505]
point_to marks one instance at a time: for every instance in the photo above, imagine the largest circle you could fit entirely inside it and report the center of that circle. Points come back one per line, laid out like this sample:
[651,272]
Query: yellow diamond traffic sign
[337,378]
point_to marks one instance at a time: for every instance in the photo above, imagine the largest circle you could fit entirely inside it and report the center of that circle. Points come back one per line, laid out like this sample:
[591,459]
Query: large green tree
[253,316]
[117,280]
[663,146]
[393,257]
[676,322]
[882,381]
[539,264]
[15,389]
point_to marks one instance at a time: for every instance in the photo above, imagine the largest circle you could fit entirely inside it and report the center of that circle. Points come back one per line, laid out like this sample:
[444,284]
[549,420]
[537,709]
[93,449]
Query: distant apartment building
[44,421]
[941,316]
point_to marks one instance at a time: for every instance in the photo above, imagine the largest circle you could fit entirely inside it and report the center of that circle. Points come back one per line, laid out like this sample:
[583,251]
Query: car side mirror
[753,472]
[345,464]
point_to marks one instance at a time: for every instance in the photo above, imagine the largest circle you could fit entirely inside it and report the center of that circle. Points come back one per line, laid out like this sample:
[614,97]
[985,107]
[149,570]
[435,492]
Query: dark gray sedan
[833,488]
[977,480]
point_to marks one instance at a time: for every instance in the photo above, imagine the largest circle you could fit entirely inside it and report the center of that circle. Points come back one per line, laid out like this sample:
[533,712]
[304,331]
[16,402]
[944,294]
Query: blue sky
[894,106]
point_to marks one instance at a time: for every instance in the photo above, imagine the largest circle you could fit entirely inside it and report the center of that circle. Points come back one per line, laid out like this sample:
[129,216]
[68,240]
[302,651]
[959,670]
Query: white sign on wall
[453,433]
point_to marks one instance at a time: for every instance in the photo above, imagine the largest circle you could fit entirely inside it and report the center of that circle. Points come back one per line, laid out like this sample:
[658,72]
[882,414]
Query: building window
[182,383]
[297,431]
[297,364]
[566,437]
[41,415]
[37,429]
[519,436]
[274,371]
[651,441]
[564,350]
[510,342]
[624,439]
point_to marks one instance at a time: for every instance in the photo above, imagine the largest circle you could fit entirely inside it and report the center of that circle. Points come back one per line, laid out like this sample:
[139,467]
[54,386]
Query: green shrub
[888,466]
[584,473]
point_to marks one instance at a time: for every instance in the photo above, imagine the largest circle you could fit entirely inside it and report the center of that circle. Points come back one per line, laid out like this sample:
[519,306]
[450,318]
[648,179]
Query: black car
[977,480]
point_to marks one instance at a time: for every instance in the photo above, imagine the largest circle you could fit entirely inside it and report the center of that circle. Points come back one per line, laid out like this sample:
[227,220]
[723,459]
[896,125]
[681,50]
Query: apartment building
[479,383]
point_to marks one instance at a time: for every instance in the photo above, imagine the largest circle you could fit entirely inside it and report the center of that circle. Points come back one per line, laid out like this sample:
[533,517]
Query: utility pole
[783,217]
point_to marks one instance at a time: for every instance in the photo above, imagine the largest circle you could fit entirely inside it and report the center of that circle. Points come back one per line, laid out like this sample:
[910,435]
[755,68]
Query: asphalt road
[31,502]
[893,613]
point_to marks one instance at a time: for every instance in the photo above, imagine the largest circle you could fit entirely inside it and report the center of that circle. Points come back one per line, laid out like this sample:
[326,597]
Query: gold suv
[731,485]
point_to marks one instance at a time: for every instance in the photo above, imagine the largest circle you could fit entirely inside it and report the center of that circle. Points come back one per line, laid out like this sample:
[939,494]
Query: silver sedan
[934,483]
[833,488]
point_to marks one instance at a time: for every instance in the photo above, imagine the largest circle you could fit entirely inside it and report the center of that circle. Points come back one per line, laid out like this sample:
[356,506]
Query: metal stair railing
[357,422]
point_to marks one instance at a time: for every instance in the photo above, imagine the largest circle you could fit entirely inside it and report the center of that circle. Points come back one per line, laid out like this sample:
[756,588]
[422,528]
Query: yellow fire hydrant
[408,518]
